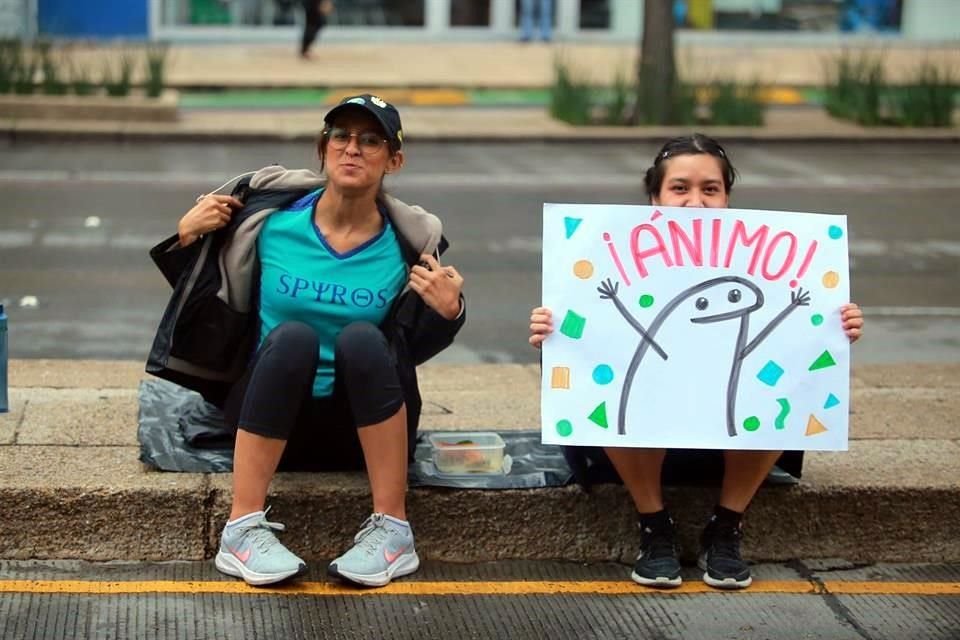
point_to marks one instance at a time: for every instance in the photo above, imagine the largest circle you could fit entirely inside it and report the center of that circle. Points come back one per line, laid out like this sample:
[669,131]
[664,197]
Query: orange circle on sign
[583,269]
[831,279]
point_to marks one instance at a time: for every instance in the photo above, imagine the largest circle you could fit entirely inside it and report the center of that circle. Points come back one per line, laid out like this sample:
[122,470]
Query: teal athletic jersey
[303,278]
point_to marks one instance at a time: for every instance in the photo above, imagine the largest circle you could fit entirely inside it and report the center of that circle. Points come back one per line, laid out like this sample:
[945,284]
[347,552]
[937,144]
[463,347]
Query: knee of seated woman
[293,334]
[291,347]
[363,341]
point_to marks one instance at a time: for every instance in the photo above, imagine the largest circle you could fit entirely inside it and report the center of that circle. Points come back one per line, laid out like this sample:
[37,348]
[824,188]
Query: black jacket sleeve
[172,259]
[427,332]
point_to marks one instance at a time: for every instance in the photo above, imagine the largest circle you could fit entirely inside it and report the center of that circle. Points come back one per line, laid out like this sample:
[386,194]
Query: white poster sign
[695,328]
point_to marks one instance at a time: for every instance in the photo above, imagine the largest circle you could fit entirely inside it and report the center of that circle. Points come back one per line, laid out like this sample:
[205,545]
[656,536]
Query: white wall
[931,19]
[16,18]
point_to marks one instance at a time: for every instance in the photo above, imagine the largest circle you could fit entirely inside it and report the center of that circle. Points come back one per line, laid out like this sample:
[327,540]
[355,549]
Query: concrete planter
[132,108]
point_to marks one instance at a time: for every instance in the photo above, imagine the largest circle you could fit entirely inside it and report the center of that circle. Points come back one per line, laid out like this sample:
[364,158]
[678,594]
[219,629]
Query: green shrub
[118,75]
[155,72]
[20,68]
[855,87]
[685,103]
[735,104]
[24,74]
[928,99]
[11,51]
[569,96]
[81,80]
[50,66]
[619,100]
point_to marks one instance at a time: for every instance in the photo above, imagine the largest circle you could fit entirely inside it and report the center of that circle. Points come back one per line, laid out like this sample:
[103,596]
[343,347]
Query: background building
[416,20]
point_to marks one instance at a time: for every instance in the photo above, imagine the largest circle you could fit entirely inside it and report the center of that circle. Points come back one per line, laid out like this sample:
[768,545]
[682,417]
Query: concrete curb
[180,515]
[134,108]
[69,473]
[653,135]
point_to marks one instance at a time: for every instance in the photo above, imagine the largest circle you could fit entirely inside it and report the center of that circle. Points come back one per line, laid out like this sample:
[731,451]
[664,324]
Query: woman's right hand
[211,212]
[541,325]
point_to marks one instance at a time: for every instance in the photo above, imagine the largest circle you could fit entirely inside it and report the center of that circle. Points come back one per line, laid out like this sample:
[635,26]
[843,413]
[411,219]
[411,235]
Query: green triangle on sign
[825,360]
[599,415]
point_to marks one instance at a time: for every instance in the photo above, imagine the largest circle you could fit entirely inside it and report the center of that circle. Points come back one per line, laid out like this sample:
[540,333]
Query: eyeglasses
[369,142]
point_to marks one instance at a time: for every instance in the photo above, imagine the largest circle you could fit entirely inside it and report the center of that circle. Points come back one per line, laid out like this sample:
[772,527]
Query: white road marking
[867,247]
[76,240]
[919,312]
[133,241]
[944,246]
[16,239]
[547,178]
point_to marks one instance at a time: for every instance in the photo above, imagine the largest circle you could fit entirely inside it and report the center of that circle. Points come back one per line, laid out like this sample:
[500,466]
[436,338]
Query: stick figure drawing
[712,301]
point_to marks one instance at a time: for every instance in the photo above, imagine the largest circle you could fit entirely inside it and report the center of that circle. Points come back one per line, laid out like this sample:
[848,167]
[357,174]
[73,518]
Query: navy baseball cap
[385,113]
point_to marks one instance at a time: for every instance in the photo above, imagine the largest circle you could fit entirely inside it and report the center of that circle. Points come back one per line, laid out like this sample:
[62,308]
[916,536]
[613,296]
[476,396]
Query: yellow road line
[898,588]
[413,588]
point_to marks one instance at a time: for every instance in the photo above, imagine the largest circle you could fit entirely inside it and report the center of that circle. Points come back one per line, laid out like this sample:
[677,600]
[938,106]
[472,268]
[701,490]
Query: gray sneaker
[383,550]
[251,551]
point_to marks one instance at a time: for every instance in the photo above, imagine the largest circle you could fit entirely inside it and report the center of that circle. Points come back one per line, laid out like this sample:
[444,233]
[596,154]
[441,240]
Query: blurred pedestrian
[316,13]
[544,12]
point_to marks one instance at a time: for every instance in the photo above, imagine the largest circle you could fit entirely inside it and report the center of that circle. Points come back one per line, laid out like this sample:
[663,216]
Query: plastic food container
[467,452]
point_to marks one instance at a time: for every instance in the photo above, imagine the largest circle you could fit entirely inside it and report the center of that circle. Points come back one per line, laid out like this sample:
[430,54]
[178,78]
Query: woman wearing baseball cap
[349,296]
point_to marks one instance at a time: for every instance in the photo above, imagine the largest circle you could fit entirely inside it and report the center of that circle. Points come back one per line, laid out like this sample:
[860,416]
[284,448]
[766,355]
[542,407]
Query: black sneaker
[720,559]
[657,564]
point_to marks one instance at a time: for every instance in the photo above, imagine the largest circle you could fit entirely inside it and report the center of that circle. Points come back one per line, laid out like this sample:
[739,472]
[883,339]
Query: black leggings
[274,398]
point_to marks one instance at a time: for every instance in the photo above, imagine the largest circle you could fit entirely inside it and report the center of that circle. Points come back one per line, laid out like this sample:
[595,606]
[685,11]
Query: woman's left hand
[438,286]
[852,318]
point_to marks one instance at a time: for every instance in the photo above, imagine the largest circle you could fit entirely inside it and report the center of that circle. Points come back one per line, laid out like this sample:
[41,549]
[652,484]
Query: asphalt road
[520,600]
[79,217]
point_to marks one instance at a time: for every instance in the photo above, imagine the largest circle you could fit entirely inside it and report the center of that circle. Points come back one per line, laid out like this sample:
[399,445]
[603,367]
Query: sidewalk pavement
[72,486]
[430,83]
[507,65]
[460,125]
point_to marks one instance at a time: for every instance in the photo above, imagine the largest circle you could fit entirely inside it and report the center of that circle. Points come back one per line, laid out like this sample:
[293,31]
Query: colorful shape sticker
[646,300]
[824,361]
[814,426]
[573,324]
[583,269]
[571,225]
[599,415]
[603,374]
[560,378]
[831,402]
[752,423]
[835,232]
[770,374]
[831,279]
[816,319]
[564,428]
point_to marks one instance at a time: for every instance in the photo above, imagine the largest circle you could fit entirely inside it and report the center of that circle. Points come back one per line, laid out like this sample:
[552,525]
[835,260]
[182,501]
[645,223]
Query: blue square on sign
[770,374]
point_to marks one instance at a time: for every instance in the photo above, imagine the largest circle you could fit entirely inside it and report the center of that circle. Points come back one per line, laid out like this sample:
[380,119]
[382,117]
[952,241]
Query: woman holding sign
[691,171]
